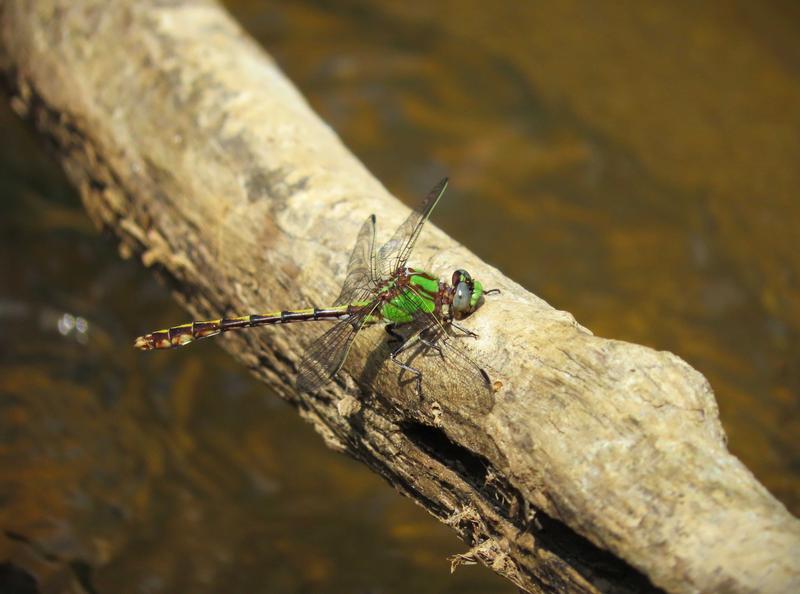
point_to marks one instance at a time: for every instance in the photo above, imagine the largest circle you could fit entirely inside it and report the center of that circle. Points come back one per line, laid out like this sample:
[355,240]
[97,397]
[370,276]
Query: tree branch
[596,466]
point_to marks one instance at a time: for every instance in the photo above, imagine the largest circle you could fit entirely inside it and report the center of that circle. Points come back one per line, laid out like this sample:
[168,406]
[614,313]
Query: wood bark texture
[596,466]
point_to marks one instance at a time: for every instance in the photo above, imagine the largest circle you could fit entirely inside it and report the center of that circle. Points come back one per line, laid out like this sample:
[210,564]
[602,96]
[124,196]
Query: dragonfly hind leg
[430,341]
[412,370]
[402,346]
[394,336]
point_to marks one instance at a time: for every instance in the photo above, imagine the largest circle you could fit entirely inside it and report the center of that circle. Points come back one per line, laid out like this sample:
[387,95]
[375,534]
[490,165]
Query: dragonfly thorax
[412,292]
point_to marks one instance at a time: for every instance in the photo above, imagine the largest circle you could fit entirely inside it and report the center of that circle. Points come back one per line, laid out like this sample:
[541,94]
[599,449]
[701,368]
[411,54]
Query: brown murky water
[633,163]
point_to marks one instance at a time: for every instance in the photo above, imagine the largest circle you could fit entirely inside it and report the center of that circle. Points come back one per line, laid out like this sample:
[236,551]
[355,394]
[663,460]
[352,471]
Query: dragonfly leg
[402,345]
[394,336]
[430,343]
[412,370]
[466,331]
[492,292]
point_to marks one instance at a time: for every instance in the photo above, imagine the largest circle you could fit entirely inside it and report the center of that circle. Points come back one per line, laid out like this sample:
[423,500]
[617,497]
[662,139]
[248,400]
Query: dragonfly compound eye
[462,298]
[461,276]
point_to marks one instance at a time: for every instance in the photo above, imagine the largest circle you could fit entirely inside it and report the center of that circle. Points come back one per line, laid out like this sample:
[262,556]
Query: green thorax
[418,296]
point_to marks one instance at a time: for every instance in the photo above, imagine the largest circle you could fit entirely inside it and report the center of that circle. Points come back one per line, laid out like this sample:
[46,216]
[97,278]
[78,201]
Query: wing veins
[399,247]
[327,355]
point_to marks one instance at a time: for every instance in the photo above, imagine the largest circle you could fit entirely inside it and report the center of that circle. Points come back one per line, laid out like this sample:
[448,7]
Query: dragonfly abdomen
[186,333]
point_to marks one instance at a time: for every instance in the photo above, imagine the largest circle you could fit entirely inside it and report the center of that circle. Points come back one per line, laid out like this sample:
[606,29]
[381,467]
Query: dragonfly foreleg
[466,331]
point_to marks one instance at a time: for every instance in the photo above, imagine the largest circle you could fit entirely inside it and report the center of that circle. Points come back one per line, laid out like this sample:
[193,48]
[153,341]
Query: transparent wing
[326,356]
[439,352]
[395,252]
[358,283]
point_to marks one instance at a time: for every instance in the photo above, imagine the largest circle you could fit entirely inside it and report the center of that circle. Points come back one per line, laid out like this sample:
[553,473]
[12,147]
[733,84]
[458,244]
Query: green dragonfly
[417,308]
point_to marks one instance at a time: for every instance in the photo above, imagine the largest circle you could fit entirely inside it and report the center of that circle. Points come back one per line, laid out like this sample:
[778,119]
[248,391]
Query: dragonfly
[416,307]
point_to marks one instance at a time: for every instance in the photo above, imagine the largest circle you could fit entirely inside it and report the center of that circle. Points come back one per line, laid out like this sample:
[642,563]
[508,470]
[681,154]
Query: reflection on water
[635,165]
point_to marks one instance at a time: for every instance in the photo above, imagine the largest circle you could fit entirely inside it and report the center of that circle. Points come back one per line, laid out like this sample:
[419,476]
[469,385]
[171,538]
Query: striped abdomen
[186,333]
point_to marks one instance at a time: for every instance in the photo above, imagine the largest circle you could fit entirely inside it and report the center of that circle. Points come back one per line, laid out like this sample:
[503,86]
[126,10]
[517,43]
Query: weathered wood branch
[599,465]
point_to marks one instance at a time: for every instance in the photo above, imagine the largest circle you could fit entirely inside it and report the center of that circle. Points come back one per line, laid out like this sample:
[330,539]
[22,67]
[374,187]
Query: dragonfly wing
[395,252]
[435,347]
[446,367]
[328,353]
[357,284]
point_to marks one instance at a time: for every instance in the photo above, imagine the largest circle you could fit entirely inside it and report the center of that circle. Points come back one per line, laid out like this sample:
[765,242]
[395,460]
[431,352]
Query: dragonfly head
[467,294]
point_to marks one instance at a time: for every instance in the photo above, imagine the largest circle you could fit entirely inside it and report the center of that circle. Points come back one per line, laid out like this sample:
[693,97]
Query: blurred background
[633,163]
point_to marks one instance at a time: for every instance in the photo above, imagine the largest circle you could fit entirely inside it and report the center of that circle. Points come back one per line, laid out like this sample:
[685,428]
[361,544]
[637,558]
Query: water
[635,165]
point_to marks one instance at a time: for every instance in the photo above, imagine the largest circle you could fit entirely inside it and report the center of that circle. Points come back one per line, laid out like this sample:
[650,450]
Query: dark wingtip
[439,188]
